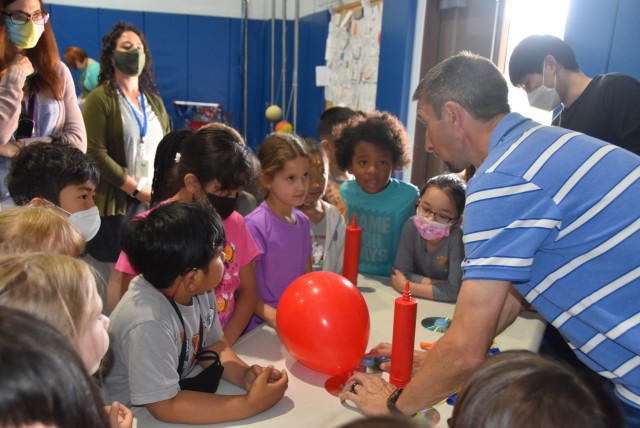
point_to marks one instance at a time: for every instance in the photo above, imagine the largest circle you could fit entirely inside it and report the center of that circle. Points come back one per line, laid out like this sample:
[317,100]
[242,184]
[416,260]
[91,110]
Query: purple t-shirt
[284,251]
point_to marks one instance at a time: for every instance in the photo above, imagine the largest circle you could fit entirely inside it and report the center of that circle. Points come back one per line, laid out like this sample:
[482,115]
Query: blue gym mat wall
[199,58]
[604,35]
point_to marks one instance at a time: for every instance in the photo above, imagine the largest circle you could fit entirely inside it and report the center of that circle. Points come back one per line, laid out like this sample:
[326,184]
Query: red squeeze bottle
[404,334]
[352,251]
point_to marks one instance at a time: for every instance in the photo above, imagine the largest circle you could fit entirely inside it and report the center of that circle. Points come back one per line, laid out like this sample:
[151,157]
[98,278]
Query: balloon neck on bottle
[406,295]
[354,220]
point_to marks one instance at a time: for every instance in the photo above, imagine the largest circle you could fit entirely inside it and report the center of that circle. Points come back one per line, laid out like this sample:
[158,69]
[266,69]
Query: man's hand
[369,392]
[384,350]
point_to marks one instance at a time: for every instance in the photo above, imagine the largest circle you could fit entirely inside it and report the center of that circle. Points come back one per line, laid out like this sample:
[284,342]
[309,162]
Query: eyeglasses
[21,18]
[439,217]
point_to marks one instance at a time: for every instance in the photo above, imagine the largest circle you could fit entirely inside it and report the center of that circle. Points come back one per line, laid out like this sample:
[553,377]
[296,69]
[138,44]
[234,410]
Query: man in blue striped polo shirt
[552,218]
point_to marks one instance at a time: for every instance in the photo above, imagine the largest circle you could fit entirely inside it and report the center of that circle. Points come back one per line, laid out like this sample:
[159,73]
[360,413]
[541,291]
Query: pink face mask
[431,230]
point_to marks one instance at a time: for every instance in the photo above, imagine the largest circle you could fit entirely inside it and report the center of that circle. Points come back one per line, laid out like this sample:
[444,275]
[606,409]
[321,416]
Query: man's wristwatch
[391,401]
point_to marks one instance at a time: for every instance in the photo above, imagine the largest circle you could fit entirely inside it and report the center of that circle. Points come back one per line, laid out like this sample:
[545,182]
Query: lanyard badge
[142,163]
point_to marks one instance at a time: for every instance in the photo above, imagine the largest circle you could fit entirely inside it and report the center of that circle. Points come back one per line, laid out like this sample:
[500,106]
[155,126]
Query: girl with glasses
[430,252]
[37,94]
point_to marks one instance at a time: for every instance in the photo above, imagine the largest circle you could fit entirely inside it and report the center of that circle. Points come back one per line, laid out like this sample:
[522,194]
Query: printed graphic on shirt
[443,262]
[225,292]
[195,341]
[377,240]
[317,251]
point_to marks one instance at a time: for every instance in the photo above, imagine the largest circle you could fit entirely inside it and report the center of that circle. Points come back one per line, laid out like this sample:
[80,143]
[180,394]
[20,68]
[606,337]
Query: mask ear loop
[175,292]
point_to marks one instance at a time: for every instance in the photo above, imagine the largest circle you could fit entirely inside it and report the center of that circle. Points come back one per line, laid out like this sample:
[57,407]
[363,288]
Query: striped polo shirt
[557,213]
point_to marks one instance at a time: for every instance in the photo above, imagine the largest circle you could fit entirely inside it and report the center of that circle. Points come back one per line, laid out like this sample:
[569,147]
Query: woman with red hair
[77,59]
[37,94]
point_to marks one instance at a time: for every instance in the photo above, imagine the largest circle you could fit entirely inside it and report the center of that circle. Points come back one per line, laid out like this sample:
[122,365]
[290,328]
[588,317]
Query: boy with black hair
[57,174]
[328,125]
[167,322]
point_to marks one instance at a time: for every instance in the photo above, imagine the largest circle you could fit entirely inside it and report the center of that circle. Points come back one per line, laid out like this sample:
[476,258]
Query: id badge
[142,168]
[142,164]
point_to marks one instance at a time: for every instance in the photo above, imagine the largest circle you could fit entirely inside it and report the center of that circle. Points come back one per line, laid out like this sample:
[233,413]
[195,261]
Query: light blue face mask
[24,36]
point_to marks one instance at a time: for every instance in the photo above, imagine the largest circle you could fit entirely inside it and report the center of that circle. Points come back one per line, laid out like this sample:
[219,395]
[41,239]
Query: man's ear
[452,113]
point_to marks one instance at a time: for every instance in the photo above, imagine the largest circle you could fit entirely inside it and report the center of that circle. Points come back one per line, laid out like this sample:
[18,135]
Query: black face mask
[209,379]
[224,206]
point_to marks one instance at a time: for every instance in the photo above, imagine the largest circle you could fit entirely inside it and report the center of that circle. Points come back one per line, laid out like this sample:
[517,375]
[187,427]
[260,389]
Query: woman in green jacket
[125,120]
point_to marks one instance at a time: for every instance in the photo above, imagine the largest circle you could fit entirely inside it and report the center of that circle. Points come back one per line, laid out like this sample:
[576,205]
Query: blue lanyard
[142,126]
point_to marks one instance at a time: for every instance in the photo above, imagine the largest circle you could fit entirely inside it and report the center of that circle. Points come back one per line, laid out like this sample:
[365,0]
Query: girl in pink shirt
[212,165]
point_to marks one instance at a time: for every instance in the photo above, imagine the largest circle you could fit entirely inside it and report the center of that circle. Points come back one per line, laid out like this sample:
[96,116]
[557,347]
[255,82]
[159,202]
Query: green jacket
[105,144]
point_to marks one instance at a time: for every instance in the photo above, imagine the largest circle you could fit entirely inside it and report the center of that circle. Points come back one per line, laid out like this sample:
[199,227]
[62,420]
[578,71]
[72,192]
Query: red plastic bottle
[404,335]
[352,251]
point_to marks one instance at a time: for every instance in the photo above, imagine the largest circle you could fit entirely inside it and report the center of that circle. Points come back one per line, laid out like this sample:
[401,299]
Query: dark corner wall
[199,58]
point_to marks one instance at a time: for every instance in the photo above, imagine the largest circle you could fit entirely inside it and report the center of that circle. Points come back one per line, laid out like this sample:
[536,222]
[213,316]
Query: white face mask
[87,221]
[543,97]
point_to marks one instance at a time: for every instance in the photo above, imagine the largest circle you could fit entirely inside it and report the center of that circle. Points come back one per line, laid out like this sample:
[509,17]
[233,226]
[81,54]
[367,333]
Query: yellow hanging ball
[273,113]
[284,126]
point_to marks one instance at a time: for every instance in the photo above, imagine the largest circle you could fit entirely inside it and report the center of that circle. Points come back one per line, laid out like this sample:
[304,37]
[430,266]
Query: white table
[306,402]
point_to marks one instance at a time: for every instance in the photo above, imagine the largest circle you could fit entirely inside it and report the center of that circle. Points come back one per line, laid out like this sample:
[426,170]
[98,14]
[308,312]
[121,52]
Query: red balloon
[323,321]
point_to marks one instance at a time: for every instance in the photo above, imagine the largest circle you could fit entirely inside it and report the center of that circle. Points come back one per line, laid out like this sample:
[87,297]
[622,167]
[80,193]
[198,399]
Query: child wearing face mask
[327,223]
[35,105]
[212,166]
[371,147]
[431,251]
[61,291]
[60,175]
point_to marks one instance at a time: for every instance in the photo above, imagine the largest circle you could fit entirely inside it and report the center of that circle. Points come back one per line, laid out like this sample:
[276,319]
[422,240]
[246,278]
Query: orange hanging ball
[284,126]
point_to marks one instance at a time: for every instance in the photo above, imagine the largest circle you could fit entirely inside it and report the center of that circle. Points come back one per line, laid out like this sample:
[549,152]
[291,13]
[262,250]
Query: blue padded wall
[625,55]
[604,35]
[396,51]
[168,38]
[199,58]
[76,26]
[314,30]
